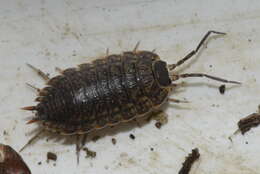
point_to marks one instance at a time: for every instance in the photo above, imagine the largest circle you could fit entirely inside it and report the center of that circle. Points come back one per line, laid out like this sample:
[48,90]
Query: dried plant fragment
[11,162]
[186,166]
[245,124]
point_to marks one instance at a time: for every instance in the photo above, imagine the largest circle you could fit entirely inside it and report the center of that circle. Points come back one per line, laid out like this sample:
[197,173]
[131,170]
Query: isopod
[110,90]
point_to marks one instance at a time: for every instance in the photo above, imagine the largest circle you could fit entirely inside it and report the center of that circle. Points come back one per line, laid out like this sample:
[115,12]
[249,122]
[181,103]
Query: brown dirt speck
[113,141]
[132,136]
[158,125]
[222,89]
[51,156]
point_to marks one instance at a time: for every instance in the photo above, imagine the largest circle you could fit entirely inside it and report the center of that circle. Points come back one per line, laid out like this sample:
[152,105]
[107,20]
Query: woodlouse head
[161,73]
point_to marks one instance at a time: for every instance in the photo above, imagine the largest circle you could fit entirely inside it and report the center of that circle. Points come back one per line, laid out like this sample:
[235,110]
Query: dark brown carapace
[114,89]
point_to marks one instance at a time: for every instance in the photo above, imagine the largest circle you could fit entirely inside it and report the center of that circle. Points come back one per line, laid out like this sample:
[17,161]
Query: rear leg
[39,72]
[31,140]
[80,143]
[77,147]
[84,140]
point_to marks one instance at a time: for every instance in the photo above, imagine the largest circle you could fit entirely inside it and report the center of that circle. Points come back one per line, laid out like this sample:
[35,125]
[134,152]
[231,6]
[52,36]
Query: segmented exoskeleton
[110,90]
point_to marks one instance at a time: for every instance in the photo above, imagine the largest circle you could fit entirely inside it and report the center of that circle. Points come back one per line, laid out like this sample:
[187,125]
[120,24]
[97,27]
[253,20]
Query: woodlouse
[110,90]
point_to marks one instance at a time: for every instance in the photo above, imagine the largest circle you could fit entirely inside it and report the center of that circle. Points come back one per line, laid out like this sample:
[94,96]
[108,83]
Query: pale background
[51,34]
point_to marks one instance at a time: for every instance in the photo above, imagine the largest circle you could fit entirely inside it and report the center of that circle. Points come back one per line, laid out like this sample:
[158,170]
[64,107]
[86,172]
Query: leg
[177,101]
[136,47]
[77,147]
[84,139]
[187,57]
[39,72]
[31,140]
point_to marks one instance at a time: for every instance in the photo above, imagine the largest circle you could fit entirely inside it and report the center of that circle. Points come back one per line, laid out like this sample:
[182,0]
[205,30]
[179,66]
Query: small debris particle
[210,66]
[74,53]
[152,149]
[132,136]
[113,141]
[245,124]
[158,125]
[222,89]
[40,163]
[90,153]
[186,166]
[215,105]
[51,156]
[249,40]
[5,133]
[95,138]
[246,142]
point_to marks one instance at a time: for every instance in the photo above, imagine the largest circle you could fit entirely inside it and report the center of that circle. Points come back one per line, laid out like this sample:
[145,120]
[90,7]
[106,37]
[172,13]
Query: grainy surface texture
[49,34]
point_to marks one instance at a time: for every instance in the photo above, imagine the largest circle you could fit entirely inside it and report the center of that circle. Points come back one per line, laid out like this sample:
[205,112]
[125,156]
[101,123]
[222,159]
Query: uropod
[110,90]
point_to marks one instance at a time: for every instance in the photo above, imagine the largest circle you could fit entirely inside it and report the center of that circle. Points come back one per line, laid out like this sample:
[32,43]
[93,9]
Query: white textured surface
[51,34]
